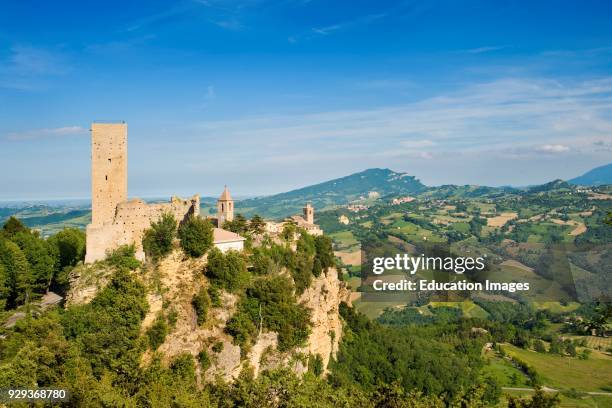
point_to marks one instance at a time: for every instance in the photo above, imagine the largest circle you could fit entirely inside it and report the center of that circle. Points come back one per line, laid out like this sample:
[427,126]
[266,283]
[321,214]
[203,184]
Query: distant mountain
[365,185]
[597,176]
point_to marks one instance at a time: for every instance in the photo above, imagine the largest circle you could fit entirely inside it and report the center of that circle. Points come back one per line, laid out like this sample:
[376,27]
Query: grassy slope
[568,372]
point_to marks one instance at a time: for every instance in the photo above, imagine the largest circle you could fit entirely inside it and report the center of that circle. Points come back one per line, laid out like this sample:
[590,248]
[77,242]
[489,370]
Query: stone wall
[129,222]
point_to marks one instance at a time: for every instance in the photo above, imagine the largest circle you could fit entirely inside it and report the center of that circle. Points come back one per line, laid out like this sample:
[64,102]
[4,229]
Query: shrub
[217,347]
[201,303]
[183,366]
[215,297]
[324,251]
[584,354]
[196,236]
[302,273]
[315,364]
[539,346]
[228,270]
[123,257]
[204,360]
[556,346]
[172,318]
[157,240]
[263,264]
[157,333]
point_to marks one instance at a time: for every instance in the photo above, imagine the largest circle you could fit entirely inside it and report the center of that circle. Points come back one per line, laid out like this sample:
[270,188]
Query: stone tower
[225,207]
[108,170]
[309,213]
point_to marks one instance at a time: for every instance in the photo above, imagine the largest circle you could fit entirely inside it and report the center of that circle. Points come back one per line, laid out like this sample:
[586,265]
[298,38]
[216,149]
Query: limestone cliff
[171,287]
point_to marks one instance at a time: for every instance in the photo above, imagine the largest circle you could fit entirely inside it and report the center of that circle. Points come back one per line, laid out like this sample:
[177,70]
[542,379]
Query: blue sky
[266,96]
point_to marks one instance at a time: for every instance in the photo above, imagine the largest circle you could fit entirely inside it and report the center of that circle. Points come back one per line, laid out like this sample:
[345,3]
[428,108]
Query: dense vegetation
[30,265]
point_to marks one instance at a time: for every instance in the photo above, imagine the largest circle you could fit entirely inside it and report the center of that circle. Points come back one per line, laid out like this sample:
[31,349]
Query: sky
[267,96]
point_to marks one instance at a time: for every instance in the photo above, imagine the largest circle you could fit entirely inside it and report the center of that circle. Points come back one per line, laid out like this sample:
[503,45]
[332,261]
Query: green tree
[40,257]
[12,226]
[289,231]
[257,225]
[539,400]
[4,288]
[324,251]
[196,236]
[69,246]
[17,271]
[228,270]
[157,240]
[237,225]
[539,346]
[556,346]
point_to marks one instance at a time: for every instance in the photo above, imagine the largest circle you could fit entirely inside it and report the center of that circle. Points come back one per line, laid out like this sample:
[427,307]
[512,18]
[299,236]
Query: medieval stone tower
[225,207]
[309,213]
[108,170]
[115,221]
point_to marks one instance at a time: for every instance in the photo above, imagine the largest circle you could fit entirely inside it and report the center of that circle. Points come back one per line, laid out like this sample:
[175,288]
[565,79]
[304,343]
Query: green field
[587,401]
[345,240]
[594,374]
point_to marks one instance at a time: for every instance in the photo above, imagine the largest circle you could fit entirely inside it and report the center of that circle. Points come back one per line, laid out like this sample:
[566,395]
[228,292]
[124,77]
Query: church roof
[225,195]
[220,235]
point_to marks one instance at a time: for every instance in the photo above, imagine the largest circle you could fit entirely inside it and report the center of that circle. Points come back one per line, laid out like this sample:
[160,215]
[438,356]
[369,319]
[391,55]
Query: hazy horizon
[269,96]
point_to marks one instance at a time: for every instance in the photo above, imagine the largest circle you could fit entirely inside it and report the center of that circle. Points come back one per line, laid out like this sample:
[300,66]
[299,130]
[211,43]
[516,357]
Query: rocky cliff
[171,287]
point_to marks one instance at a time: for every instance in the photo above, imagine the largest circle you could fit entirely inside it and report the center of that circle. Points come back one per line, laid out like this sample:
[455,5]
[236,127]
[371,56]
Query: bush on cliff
[157,240]
[227,271]
[196,235]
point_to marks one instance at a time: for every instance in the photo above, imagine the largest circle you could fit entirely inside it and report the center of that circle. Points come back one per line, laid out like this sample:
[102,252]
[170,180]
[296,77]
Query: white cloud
[481,50]
[414,144]
[505,114]
[47,133]
[554,148]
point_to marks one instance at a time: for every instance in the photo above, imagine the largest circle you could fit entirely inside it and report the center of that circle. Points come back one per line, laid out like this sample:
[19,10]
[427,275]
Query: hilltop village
[117,220]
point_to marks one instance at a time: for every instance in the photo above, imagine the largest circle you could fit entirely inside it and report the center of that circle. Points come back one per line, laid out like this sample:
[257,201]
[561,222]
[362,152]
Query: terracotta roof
[221,235]
[225,195]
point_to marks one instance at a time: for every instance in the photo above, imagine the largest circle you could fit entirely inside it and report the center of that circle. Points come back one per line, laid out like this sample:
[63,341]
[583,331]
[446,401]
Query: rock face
[85,281]
[323,297]
[171,287]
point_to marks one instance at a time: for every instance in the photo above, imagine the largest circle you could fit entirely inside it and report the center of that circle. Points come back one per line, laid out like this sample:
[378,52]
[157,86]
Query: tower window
[105,177]
[109,160]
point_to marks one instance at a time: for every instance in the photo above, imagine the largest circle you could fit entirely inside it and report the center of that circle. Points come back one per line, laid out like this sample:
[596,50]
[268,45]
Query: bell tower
[309,213]
[225,207]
